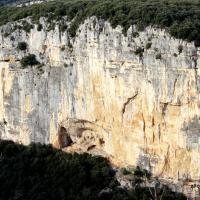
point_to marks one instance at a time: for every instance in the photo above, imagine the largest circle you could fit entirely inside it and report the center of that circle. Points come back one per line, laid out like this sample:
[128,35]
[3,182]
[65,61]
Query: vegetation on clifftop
[180,17]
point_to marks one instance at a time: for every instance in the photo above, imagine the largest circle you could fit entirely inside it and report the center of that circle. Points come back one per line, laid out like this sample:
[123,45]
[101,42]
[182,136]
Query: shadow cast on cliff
[191,130]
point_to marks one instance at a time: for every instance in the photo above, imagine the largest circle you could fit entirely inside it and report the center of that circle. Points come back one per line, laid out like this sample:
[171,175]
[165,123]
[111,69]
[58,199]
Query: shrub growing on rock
[148,45]
[39,27]
[22,46]
[142,172]
[175,54]
[6,34]
[27,26]
[62,48]
[29,60]
[135,34]
[139,51]
[180,49]
[158,56]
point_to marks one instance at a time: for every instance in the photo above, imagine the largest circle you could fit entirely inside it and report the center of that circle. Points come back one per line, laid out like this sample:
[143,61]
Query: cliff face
[102,94]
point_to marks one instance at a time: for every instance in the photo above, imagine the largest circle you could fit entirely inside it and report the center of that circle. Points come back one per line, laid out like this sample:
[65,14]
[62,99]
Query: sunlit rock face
[135,108]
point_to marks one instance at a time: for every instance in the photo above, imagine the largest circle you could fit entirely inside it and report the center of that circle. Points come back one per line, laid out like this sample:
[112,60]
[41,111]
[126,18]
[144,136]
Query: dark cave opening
[64,138]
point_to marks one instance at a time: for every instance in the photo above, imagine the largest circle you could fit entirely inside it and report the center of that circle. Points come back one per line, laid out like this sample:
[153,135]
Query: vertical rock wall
[138,109]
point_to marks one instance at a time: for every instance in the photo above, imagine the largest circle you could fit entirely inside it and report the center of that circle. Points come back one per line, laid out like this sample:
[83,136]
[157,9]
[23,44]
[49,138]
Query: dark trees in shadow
[40,172]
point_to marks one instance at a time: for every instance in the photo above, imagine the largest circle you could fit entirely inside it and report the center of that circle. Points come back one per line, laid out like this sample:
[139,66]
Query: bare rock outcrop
[137,109]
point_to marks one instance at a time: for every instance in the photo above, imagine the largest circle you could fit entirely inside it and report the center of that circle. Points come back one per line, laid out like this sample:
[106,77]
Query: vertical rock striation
[136,108]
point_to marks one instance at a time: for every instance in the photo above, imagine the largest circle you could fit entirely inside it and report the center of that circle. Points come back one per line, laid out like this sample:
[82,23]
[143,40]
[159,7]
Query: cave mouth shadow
[64,138]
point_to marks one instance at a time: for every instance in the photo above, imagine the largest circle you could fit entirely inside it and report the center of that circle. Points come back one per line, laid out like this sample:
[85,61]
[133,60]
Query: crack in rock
[129,100]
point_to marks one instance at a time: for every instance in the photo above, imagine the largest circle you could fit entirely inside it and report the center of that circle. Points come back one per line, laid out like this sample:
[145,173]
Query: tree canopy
[180,17]
[40,172]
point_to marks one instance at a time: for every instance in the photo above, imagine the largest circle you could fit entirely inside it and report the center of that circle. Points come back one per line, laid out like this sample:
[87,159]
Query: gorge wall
[100,93]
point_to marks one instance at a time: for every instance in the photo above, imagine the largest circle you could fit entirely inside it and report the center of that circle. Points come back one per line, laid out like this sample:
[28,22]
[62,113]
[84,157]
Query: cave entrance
[64,138]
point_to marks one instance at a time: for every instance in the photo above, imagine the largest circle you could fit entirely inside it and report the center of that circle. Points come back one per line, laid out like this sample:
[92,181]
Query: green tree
[29,60]
[22,46]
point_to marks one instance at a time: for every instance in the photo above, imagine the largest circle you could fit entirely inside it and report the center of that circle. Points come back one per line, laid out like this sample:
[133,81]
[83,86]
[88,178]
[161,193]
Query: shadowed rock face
[64,139]
[133,109]
[192,132]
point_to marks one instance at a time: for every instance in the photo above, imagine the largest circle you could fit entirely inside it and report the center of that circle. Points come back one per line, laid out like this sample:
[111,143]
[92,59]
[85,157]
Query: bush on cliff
[180,18]
[29,60]
[22,46]
[26,26]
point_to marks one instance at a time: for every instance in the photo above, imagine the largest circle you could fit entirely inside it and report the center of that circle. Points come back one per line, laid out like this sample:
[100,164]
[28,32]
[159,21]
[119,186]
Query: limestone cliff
[132,98]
